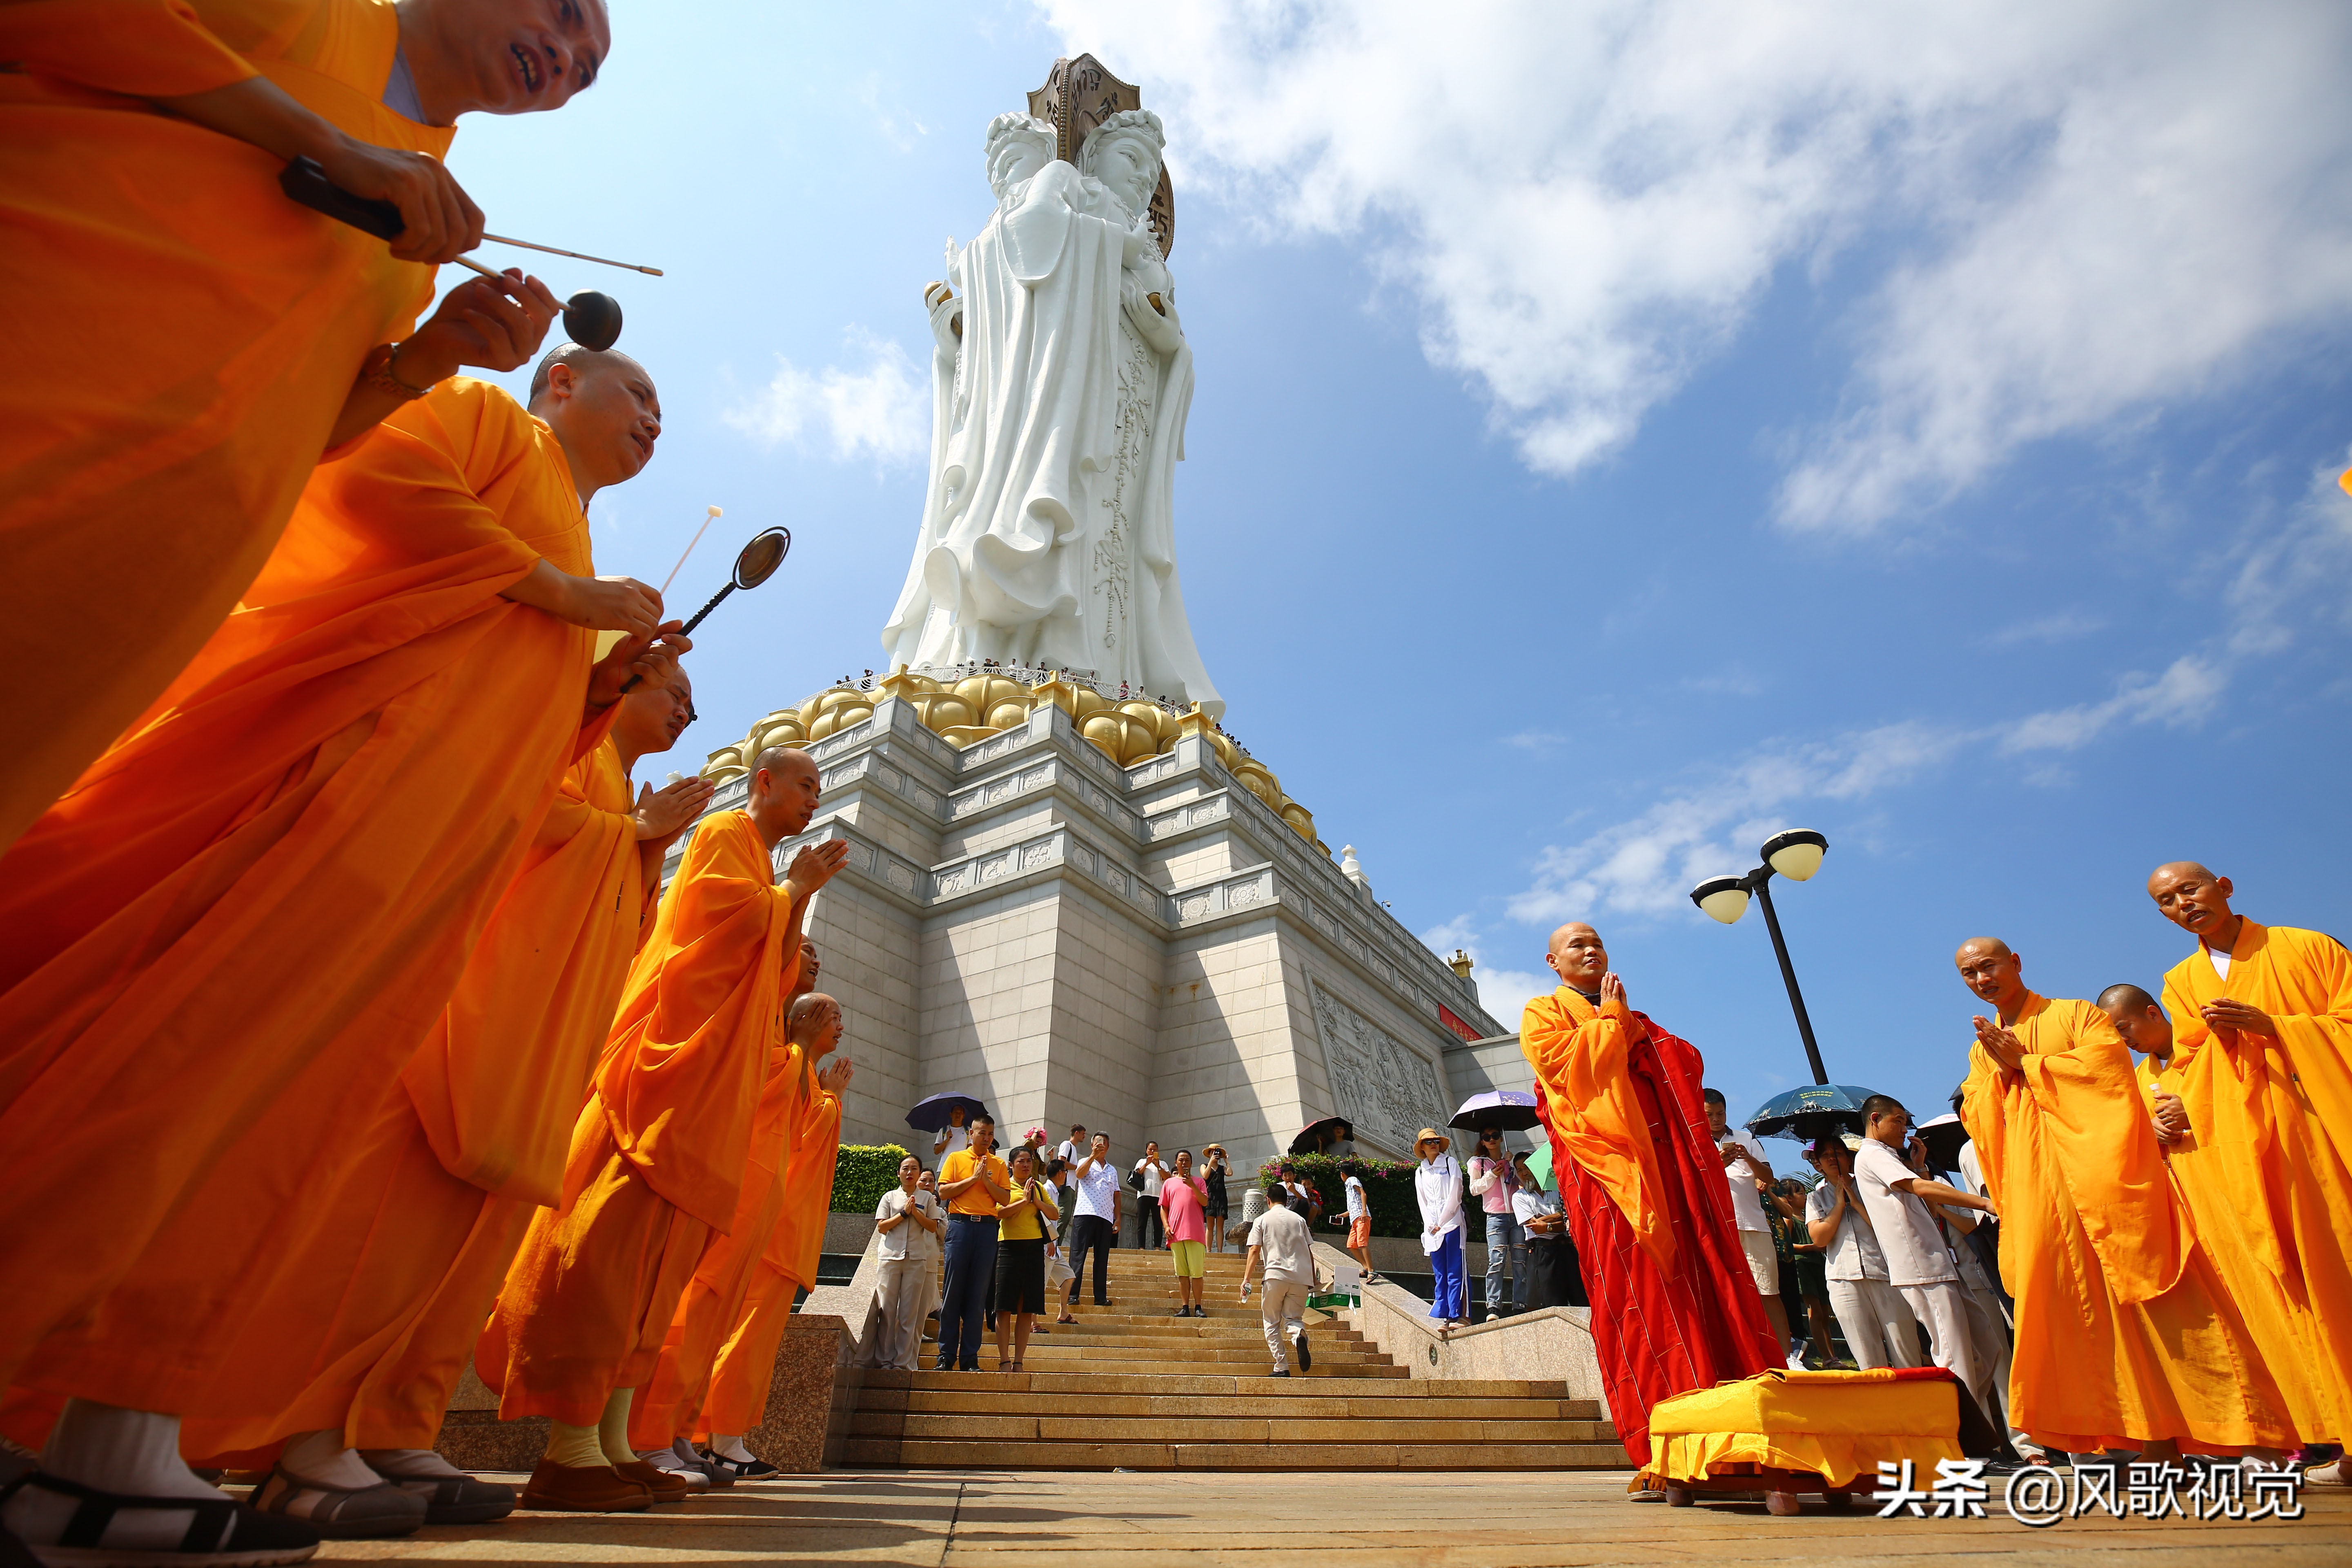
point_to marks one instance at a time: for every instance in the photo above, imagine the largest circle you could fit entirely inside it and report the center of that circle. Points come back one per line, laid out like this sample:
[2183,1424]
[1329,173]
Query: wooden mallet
[591,318]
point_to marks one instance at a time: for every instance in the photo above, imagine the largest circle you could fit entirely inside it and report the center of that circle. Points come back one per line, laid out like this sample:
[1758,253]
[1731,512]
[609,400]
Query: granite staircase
[1131,1387]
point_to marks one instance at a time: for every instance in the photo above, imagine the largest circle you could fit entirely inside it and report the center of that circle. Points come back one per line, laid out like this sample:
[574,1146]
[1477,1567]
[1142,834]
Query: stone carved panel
[1386,1089]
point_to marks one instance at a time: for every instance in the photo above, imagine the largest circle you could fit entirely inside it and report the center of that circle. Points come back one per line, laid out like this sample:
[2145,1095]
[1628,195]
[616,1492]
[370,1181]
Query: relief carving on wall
[1387,1090]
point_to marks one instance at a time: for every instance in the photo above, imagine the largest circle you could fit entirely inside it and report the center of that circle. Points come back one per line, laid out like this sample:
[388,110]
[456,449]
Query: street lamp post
[1795,853]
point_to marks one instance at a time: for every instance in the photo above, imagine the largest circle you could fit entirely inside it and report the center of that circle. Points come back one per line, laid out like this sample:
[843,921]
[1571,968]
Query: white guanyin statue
[1061,384]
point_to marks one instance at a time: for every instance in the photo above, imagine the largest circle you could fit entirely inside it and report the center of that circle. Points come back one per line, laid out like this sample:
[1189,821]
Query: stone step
[927,1453]
[1059,1357]
[1407,1429]
[1109,1381]
[1310,1405]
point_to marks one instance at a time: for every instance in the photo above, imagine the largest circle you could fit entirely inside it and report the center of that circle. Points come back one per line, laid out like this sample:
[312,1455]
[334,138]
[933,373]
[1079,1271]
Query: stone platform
[1150,950]
[1462,1519]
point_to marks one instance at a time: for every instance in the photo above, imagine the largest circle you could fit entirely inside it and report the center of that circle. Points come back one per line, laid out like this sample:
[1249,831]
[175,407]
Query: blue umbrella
[1810,1112]
[1508,1108]
[930,1113]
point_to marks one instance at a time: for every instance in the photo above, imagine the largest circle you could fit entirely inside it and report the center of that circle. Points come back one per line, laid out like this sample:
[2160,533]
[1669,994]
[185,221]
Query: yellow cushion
[1836,1425]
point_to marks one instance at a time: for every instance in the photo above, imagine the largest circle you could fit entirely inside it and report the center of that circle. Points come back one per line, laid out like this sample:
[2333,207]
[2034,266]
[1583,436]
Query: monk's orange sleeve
[141,49]
[2091,1119]
[1581,1069]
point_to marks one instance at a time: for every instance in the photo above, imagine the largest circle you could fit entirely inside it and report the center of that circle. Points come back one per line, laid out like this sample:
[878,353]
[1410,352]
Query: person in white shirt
[1153,1174]
[1437,1186]
[1744,1172]
[1074,1147]
[954,1136]
[1553,1277]
[1360,1223]
[908,1225]
[1918,1263]
[1095,1226]
[1878,1327]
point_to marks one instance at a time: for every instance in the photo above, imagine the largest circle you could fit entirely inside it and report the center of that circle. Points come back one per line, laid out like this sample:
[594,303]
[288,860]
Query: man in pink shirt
[1183,1207]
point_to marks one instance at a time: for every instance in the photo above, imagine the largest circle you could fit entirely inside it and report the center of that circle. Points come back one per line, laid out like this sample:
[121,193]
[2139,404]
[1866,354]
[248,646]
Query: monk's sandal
[342,1513]
[456,1499]
[221,1533]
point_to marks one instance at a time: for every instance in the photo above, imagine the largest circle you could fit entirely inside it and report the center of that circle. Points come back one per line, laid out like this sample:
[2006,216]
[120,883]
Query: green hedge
[1388,1187]
[862,1173]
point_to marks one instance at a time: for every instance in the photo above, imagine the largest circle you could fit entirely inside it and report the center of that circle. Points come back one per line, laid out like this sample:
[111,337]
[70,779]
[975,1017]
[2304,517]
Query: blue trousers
[971,1263]
[1446,1264]
[1503,1242]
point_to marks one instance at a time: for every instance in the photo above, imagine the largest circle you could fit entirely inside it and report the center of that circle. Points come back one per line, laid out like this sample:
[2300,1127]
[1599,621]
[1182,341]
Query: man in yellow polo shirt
[973,1181]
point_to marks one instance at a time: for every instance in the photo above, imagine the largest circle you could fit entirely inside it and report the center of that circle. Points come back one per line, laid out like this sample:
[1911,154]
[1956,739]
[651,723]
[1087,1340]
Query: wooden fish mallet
[591,318]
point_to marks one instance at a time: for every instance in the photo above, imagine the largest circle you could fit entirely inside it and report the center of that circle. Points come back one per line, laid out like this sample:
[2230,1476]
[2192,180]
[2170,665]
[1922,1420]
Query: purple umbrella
[1508,1108]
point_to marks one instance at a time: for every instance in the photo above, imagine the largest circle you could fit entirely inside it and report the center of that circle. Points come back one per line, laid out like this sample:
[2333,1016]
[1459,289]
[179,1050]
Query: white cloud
[880,411]
[2182,695]
[2059,216]
[2065,625]
[1503,993]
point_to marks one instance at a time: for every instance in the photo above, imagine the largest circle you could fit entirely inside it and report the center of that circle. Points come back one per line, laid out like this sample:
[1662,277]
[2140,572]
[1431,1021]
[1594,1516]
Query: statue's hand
[1157,325]
[947,321]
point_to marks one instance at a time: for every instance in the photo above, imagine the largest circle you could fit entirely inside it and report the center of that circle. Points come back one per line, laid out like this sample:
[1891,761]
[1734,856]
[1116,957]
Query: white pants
[1943,1306]
[1281,1303]
[905,1297]
[1878,1328]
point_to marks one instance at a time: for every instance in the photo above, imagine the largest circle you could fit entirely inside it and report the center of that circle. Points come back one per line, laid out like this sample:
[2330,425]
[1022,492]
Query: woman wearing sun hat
[1437,1182]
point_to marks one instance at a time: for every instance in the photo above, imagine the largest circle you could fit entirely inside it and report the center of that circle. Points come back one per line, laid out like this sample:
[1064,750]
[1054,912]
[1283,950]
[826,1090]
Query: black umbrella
[1944,1137]
[930,1114]
[1511,1110]
[1310,1139]
[1813,1111]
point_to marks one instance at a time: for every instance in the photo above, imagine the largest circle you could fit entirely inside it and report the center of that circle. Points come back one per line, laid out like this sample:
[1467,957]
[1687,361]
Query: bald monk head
[814,1024]
[806,981]
[2138,1019]
[502,56]
[1577,956]
[602,405]
[2197,901]
[786,789]
[653,716]
[1996,974]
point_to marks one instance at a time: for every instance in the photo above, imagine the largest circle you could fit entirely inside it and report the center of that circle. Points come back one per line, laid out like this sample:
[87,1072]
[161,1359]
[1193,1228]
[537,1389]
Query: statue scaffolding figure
[1061,383]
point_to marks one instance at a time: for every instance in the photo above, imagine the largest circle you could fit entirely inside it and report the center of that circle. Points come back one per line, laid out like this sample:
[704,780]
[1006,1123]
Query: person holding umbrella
[1438,1184]
[1552,1277]
[1492,1181]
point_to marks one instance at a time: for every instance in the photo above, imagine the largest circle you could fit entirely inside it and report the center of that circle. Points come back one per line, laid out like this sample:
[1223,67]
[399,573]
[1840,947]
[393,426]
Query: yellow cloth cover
[1836,1425]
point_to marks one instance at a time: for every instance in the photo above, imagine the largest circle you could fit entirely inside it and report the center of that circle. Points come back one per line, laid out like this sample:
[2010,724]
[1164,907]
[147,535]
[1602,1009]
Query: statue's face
[1127,168]
[1016,161]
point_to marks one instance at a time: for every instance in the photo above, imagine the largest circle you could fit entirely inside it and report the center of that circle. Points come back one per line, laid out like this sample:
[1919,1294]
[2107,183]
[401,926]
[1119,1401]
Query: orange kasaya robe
[791,1105]
[179,341]
[658,1154]
[747,1362]
[379,1289]
[218,952]
[1673,1306]
[2266,1164]
[2125,1333]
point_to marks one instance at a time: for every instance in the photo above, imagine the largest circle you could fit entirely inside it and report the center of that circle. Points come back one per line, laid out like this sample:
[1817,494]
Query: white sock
[664,1459]
[730,1446]
[321,1457]
[613,1431]
[133,1452]
[420,1464]
[577,1448]
[683,1449]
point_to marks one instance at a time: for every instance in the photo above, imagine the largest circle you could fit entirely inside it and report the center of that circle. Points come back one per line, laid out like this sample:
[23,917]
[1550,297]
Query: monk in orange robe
[2126,1336]
[220,950]
[2261,1056]
[360,1333]
[799,1107]
[659,1153]
[186,339]
[746,1366]
[1641,1181]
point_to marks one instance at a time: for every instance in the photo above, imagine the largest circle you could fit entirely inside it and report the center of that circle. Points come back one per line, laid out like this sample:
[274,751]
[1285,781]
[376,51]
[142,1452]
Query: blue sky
[1620,432]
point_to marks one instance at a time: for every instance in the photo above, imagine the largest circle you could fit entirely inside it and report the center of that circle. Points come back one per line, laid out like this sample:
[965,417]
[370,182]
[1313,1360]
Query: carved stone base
[1150,950]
